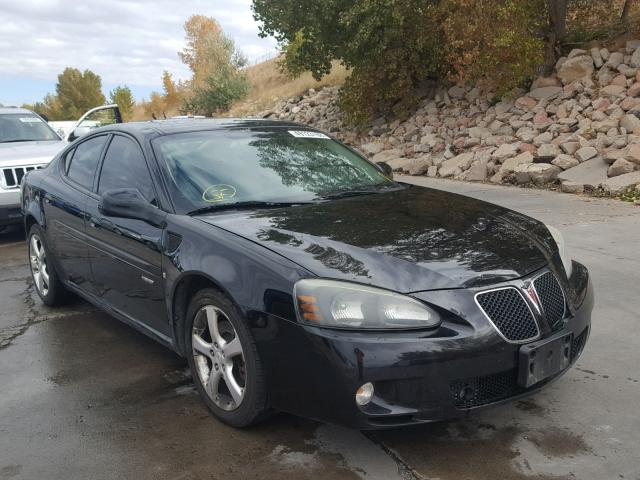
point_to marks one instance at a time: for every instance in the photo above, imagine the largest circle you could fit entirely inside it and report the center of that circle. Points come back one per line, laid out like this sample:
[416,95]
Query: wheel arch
[186,286]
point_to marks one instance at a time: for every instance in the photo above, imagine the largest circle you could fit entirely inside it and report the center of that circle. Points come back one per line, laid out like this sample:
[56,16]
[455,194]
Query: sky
[124,41]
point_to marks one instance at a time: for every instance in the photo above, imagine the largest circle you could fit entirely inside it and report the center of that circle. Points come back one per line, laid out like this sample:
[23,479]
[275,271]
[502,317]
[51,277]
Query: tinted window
[85,160]
[271,164]
[124,167]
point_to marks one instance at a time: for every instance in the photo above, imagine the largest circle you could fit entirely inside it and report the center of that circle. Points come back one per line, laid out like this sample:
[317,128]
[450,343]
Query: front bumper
[315,372]
[10,207]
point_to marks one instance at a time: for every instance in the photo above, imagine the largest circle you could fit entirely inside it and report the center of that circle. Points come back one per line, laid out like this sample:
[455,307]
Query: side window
[67,160]
[124,167]
[85,160]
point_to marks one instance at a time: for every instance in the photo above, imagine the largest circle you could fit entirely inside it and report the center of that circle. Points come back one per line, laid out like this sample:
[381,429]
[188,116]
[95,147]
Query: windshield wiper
[359,191]
[243,205]
[19,140]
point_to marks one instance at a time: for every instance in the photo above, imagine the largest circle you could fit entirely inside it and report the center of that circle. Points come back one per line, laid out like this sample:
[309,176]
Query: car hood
[17,154]
[408,240]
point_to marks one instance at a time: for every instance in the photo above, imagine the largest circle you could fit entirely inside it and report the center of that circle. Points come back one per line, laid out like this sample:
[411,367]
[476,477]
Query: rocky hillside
[579,128]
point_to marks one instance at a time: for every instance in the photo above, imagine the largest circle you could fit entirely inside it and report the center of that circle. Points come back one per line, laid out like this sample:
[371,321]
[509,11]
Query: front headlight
[337,304]
[567,262]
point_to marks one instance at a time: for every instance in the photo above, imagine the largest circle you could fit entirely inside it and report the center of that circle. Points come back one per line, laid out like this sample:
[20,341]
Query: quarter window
[85,161]
[124,167]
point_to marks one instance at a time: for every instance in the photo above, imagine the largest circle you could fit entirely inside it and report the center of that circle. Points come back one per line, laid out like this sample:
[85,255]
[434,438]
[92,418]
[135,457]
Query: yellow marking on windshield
[218,193]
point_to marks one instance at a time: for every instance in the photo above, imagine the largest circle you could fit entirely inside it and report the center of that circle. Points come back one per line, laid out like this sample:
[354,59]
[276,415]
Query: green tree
[216,65]
[124,98]
[49,107]
[511,50]
[390,46]
[78,92]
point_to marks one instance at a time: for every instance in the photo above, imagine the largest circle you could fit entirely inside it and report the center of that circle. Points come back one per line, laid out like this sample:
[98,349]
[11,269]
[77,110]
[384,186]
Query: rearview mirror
[129,203]
[78,132]
[385,168]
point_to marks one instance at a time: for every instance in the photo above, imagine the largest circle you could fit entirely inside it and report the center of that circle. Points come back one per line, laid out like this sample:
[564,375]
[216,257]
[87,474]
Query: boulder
[585,153]
[432,171]
[570,147]
[630,122]
[635,58]
[612,90]
[565,162]
[632,153]
[510,164]
[456,165]
[620,167]
[590,173]
[547,151]
[479,132]
[597,58]
[616,185]
[571,187]
[575,68]
[372,148]
[506,150]
[538,173]
[420,165]
[503,106]
[477,172]
[615,59]
[387,155]
[545,93]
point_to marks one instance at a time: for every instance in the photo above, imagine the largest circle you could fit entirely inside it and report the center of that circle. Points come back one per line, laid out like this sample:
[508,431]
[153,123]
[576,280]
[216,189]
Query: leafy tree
[391,46]
[216,64]
[78,92]
[173,93]
[124,98]
[511,49]
[49,107]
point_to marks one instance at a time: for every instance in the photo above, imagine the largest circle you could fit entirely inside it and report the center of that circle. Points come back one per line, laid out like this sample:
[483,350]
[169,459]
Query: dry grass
[269,84]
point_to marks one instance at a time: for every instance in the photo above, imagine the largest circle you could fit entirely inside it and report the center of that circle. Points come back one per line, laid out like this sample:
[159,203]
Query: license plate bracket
[543,359]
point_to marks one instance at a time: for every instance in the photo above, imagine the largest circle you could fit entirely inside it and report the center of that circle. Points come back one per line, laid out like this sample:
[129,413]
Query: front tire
[224,361]
[44,275]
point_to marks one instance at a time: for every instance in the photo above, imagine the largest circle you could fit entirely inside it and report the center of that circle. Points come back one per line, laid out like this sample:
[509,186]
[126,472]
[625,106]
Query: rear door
[65,205]
[125,254]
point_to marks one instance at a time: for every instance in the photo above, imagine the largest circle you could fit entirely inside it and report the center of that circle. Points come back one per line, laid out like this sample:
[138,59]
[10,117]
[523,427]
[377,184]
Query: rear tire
[45,278]
[224,361]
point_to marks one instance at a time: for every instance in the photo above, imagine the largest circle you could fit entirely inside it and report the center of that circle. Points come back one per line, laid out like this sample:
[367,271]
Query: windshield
[24,127]
[210,168]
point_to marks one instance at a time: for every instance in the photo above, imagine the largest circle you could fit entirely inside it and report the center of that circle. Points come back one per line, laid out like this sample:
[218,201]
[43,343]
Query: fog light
[364,394]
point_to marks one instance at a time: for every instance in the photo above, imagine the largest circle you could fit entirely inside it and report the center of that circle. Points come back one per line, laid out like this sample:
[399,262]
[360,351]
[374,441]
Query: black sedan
[295,275]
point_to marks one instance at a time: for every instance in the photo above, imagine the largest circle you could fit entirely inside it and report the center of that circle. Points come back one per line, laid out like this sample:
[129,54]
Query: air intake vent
[12,176]
[509,312]
[551,297]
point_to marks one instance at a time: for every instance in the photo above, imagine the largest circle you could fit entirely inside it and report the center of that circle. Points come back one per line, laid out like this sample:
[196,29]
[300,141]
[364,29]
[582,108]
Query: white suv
[27,142]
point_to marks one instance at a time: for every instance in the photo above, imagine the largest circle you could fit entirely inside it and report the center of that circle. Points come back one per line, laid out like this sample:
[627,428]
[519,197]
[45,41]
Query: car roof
[183,125]
[14,110]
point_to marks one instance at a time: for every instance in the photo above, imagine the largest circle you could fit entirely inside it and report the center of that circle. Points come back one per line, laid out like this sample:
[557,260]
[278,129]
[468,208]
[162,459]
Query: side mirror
[385,168]
[78,132]
[129,203]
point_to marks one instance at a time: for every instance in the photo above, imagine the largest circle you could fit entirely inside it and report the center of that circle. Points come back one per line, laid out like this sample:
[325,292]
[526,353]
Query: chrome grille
[12,176]
[507,309]
[551,298]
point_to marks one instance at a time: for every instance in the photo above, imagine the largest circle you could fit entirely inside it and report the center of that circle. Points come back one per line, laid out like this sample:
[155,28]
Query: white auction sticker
[308,134]
[30,120]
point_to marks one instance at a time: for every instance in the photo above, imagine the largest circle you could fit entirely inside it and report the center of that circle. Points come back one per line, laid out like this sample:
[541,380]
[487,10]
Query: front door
[126,254]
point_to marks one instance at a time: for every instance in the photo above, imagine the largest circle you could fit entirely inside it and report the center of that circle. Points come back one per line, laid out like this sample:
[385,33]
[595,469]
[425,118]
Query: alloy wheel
[38,261]
[219,357]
